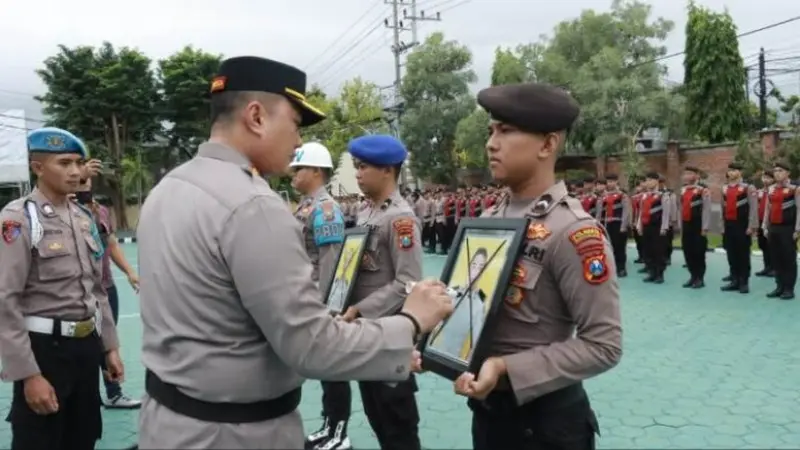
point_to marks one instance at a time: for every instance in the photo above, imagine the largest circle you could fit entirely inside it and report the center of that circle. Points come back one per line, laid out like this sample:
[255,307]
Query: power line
[338,58]
[356,61]
[336,40]
[748,33]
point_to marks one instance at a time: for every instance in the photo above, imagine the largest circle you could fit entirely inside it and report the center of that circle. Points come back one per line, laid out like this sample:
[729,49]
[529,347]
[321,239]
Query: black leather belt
[173,399]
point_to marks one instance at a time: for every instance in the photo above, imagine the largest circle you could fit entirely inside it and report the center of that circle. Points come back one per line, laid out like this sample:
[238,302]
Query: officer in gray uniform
[560,319]
[55,319]
[323,232]
[232,317]
[392,258]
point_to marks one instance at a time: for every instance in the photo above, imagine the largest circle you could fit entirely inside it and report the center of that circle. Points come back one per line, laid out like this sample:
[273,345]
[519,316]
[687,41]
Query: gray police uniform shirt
[227,288]
[392,258]
[51,270]
[323,231]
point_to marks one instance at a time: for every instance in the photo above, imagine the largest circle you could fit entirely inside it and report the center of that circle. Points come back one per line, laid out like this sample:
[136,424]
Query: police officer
[694,220]
[740,224]
[392,258]
[782,227]
[653,226]
[767,180]
[56,320]
[232,317]
[323,225]
[614,212]
[529,394]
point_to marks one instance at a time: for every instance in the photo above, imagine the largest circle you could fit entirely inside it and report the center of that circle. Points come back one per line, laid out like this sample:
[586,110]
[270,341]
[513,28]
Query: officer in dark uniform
[782,227]
[614,212]
[694,220]
[55,320]
[767,180]
[653,226]
[740,217]
[392,259]
[529,393]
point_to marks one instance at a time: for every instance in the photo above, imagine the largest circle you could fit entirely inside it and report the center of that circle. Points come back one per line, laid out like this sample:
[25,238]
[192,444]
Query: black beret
[768,173]
[612,177]
[588,180]
[533,107]
[782,165]
[662,178]
[652,175]
[691,169]
[251,73]
[601,181]
[735,166]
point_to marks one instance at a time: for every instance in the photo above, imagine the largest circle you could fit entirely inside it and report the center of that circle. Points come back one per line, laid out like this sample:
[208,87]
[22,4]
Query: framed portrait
[340,285]
[478,270]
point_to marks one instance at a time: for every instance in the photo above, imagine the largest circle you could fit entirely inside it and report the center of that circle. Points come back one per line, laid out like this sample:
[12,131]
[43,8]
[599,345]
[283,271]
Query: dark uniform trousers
[391,410]
[429,236]
[637,238]
[439,228]
[70,365]
[669,245]
[694,246]
[619,243]
[784,256]
[737,248]
[766,251]
[337,398]
[655,248]
[449,233]
[561,420]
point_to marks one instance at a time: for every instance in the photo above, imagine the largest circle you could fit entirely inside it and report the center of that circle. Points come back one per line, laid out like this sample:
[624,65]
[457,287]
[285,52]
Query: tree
[435,89]
[106,96]
[185,100]
[508,68]
[606,61]
[714,77]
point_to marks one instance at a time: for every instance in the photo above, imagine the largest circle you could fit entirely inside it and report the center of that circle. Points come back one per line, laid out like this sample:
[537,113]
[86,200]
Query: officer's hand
[429,303]
[749,232]
[115,371]
[416,361]
[490,373]
[350,315]
[40,395]
[92,168]
[133,279]
[704,232]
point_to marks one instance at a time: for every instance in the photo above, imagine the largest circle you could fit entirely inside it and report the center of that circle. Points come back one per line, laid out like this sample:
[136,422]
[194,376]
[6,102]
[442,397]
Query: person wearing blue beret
[392,258]
[55,317]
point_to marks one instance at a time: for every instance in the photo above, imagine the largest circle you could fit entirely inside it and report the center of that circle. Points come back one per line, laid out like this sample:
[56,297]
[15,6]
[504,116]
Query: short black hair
[225,104]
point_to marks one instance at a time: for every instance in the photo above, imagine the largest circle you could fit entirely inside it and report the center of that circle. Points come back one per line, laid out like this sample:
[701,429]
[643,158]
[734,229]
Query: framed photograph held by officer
[479,267]
[340,285]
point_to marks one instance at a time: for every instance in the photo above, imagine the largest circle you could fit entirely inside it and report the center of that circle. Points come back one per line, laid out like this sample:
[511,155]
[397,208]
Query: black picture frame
[510,235]
[352,259]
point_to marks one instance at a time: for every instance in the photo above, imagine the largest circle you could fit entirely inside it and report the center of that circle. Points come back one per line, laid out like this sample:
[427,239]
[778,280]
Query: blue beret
[55,140]
[378,150]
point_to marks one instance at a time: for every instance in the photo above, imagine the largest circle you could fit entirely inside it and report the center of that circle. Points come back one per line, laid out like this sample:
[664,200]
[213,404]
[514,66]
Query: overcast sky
[297,31]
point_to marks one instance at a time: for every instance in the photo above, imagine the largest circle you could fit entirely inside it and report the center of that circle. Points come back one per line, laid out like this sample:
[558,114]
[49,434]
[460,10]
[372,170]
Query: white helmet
[312,154]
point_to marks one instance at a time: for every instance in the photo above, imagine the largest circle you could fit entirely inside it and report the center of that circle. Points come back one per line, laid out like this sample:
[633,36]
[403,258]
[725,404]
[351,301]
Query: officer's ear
[551,144]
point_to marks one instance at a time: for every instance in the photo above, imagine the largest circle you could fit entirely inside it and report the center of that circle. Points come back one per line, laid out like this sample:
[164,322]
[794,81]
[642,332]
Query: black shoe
[649,279]
[643,270]
[744,288]
[787,295]
[685,266]
[776,293]
[730,287]
[727,278]
[319,436]
[639,261]
[699,284]
[622,273]
[765,273]
[659,279]
[689,283]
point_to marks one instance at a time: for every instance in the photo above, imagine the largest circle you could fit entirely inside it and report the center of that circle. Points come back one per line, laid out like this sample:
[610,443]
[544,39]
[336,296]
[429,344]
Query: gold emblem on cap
[218,84]
[55,141]
[55,246]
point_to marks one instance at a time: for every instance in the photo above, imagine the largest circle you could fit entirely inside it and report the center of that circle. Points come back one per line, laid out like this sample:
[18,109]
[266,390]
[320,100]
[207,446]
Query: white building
[344,180]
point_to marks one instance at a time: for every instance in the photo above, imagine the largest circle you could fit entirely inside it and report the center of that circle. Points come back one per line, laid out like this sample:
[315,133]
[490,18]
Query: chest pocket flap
[53,262]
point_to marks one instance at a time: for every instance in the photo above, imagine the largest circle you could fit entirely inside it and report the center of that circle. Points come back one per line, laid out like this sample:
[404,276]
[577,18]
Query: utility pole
[398,49]
[414,18]
[762,89]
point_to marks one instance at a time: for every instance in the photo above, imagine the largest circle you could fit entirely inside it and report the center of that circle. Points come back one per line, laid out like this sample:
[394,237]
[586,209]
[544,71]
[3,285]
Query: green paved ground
[701,369]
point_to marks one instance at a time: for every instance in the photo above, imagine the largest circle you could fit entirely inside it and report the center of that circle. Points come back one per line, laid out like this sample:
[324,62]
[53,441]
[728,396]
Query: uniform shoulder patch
[588,240]
[328,224]
[11,230]
[328,210]
[404,232]
[595,267]
[537,232]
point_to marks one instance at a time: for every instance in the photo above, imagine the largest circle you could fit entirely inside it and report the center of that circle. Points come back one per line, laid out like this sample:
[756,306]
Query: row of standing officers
[655,214]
